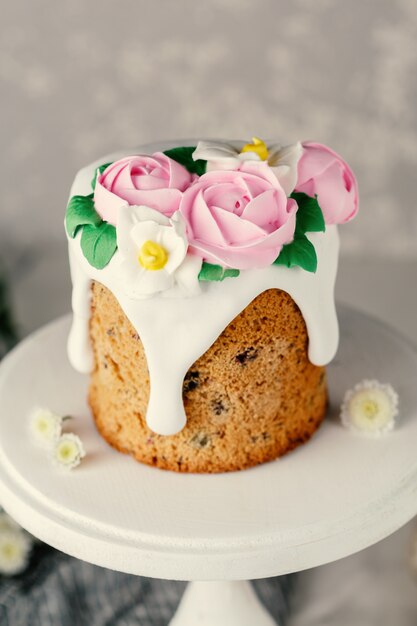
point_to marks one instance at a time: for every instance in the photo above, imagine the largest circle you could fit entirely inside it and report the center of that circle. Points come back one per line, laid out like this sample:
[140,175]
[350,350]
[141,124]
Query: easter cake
[203,297]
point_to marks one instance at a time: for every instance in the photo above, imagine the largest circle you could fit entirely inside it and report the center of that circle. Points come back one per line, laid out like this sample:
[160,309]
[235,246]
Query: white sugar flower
[153,253]
[370,408]
[224,156]
[68,451]
[45,426]
[15,546]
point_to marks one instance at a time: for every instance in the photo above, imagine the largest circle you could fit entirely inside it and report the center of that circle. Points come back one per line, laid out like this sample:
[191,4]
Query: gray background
[83,78]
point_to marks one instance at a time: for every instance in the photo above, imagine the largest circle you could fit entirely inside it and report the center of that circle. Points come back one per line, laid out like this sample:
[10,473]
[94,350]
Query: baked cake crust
[250,398]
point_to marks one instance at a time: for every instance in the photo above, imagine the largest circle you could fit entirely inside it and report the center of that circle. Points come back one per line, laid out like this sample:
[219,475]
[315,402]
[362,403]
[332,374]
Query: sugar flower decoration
[68,451]
[15,547]
[224,156]
[370,408]
[323,173]
[152,180]
[239,219]
[45,427]
[153,251]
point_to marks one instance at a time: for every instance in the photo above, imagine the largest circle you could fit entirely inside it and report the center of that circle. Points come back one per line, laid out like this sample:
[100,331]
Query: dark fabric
[7,329]
[58,590]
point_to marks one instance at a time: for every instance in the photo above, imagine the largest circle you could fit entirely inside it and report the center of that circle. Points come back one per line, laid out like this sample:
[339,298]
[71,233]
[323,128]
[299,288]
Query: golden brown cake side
[252,397]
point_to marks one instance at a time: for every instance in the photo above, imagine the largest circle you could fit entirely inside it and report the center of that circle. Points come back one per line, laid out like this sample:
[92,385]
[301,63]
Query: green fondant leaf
[99,170]
[299,252]
[80,212]
[231,273]
[184,156]
[309,215]
[210,272]
[98,244]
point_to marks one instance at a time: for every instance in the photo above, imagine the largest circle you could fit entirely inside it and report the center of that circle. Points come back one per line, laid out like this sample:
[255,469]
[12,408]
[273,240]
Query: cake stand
[338,494]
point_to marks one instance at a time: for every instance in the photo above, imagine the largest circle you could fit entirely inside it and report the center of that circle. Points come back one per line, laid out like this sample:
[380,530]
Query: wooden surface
[337,495]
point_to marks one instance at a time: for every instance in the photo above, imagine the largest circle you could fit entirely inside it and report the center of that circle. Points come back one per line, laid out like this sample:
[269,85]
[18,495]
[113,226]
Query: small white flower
[153,253]
[68,451]
[370,408]
[45,426]
[15,546]
[224,156]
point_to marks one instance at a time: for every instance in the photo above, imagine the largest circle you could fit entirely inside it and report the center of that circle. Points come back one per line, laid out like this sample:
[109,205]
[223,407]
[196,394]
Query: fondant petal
[284,163]
[235,230]
[199,217]
[214,150]
[166,201]
[186,275]
[107,204]
[264,210]
[179,177]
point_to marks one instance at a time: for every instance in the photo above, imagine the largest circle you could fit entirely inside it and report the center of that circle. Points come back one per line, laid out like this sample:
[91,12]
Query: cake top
[191,214]
[186,237]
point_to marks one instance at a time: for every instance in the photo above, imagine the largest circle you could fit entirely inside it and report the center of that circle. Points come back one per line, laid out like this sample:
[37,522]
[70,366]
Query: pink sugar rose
[238,219]
[154,181]
[322,172]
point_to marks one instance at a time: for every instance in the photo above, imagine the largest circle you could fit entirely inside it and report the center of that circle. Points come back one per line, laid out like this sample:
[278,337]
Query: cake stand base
[221,604]
[338,494]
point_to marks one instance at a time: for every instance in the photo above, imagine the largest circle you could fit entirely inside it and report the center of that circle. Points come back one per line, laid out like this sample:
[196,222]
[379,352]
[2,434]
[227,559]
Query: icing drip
[80,353]
[175,332]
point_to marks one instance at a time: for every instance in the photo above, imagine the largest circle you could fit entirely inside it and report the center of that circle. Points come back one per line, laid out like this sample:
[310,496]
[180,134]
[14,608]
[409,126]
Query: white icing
[80,353]
[175,332]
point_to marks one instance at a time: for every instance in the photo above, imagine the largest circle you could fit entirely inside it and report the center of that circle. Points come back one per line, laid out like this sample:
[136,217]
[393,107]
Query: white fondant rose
[153,249]
[283,160]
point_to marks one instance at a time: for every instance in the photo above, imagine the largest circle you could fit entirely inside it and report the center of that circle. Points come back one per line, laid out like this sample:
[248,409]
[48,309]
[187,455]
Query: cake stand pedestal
[338,494]
[222,603]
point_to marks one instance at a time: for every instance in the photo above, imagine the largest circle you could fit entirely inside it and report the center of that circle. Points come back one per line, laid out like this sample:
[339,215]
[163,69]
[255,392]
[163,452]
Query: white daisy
[68,451]
[153,253]
[370,408]
[45,427]
[224,156]
[15,546]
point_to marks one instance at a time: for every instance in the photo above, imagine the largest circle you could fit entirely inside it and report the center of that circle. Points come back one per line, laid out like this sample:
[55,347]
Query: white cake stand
[326,500]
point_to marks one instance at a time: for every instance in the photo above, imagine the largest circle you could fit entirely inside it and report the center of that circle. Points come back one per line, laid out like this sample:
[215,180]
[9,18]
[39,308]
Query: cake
[203,297]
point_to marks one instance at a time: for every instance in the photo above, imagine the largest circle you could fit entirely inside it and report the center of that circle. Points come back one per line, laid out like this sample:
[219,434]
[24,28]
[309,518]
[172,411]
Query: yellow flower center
[65,451]
[42,425]
[370,408]
[9,551]
[152,256]
[258,146]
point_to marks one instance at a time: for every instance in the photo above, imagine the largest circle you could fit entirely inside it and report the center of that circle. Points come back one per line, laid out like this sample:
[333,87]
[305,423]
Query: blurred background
[83,78]
[80,79]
